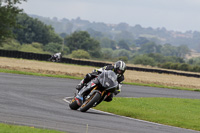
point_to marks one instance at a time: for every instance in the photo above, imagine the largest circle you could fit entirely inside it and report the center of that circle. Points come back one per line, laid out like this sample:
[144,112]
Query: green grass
[37,74]
[73,77]
[6,128]
[163,86]
[183,113]
[177,112]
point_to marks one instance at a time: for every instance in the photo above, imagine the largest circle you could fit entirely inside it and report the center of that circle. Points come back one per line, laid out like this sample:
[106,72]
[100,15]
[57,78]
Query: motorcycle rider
[57,57]
[119,68]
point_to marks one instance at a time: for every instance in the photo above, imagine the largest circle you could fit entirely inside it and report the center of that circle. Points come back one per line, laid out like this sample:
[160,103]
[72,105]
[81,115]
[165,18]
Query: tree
[107,43]
[53,47]
[82,40]
[95,34]
[168,50]
[194,61]
[182,50]
[141,40]
[122,52]
[11,44]
[8,13]
[123,45]
[107,53]
[150,47]
[144,60]
[125,35]
[157,57]
[33,30]
[81,54]
[63,35]
[32,48]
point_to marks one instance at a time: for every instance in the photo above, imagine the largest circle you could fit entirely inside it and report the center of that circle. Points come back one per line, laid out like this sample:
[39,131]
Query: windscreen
[108,79]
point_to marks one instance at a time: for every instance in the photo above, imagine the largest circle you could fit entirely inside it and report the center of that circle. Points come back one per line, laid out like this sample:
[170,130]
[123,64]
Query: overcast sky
[178,15]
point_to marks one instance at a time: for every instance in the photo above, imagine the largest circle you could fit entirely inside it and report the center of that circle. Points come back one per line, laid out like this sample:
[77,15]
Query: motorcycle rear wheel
[90,102]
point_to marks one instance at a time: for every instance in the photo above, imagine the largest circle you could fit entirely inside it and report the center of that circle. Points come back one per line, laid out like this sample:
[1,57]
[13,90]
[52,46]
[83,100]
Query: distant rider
[56,57]
[119,68]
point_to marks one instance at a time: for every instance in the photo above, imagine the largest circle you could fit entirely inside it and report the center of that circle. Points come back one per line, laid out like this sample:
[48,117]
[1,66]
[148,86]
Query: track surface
[38,101]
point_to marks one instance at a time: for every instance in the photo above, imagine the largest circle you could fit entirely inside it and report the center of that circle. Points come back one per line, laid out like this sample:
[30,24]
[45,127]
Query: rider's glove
[118,89]
[116,92]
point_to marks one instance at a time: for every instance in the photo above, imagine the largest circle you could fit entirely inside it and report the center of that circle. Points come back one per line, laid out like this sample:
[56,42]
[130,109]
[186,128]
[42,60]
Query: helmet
[119,67]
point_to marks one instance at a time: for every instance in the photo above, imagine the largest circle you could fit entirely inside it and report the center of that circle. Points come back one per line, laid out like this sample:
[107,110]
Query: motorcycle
[95,91]
[54,59]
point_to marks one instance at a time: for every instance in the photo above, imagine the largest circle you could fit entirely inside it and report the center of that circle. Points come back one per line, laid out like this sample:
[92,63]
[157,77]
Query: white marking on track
[68,101]
[65,99]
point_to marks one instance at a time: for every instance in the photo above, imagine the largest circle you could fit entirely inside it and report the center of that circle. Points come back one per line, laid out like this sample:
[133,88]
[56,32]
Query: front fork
[102,93]
[107,95]
[81,100]
[103,97]
[79,97]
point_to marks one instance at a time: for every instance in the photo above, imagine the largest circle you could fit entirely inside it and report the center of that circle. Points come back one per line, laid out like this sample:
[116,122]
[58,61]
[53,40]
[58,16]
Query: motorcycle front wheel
[90,102]
[73,104]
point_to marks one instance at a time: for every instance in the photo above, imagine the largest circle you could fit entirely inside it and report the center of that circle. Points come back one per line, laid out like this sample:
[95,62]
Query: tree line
[25,33]
[120,31]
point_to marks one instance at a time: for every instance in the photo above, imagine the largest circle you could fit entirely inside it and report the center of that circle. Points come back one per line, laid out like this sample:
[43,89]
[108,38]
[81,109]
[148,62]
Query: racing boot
[80,85]
[83,82]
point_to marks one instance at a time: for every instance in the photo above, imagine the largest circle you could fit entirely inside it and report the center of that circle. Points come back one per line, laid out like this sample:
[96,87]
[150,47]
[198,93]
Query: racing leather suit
[95,73]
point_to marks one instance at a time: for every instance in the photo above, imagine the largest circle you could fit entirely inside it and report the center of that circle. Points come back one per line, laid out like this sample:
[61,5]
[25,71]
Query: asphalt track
[38,102]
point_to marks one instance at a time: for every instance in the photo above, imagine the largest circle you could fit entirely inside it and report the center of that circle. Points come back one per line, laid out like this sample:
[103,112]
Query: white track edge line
[133,118]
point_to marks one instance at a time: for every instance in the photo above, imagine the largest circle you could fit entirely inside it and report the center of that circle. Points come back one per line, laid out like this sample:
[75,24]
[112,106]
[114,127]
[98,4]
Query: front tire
[90,102]
[73,104]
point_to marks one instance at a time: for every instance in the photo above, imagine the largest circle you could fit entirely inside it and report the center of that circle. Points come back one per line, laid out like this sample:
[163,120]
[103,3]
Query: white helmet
[119,67]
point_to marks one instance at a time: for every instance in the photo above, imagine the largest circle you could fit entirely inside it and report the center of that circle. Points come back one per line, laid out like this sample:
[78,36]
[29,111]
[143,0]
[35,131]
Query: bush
[37,45]
[166,65]
[180,66]
[11,44]
[144,60]
[122,52]
[107,53]
[195,68]
[123,58]
[30,48]
[175,66]
[52,47]
[185,67]
[80,54]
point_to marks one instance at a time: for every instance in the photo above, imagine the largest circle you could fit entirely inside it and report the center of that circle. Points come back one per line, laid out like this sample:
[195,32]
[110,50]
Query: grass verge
[37,74]
[73,77]
[177,112]
[170,111]
[162,86]
[6,128]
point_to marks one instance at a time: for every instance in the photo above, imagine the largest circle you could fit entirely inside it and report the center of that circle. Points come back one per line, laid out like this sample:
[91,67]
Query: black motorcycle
[95,91]
[54,59]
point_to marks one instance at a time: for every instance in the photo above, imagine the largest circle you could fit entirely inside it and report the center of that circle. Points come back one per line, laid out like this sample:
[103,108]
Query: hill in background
[123,31]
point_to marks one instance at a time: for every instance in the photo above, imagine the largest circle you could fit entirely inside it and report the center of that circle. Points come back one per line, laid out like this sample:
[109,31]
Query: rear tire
[73,104]
[90,102]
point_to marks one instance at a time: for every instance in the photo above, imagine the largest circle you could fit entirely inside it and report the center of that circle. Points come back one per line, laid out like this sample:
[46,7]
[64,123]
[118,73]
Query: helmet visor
[119,71]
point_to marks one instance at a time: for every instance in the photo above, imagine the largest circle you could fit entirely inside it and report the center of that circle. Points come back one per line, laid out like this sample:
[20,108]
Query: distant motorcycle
[55,58]
[95,91]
